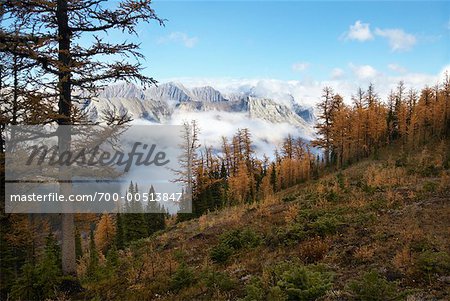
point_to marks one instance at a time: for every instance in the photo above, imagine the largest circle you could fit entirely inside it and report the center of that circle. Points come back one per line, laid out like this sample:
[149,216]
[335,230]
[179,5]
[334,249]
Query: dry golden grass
[393,198]
[364,253]
[320,188]
[291,214]
[444,181]
[435,158]
[231,216]
[204,222]
[358,200]
[329,185]
[263,209]
[378,176]
[412,231]
[411,195]
[60,296]
[82,265]
[228,216]
[171,221]
[402,258]
[313,250]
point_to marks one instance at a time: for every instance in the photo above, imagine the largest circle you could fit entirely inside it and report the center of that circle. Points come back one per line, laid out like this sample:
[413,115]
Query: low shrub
[373,287]
[430,186]
[286,236]
[290,281]
[299,282]
[420,244]
[220,253]
[288,199]
[429,263]
[183,277]
[340,179]
[324,225]
[363,218]
[254,291]
[430,163]
[294,234]
[233,240]
[308,215]
[238,239]
[378,204]
[218,280]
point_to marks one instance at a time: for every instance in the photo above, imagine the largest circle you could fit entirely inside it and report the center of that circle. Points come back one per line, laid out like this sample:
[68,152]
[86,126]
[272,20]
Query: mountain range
[218,113]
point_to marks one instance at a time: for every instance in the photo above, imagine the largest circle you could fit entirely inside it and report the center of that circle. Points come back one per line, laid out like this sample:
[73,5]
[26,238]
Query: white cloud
[308,92]
[398,39]
[397,68]
[179,37]
[300,66]
[444,72]
[364,72]
[359,31]
[215,124]
[337,73]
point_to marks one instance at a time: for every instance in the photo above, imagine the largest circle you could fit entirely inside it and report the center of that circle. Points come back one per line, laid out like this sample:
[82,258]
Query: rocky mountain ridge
[157,104]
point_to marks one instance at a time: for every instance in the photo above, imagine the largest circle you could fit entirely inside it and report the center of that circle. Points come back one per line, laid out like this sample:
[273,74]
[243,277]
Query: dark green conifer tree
[155,215]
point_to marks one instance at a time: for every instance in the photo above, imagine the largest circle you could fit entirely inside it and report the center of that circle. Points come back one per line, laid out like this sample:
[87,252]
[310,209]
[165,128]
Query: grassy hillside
[377,230]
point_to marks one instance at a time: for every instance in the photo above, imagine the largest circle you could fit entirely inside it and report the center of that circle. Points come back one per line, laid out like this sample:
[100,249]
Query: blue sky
[296,40]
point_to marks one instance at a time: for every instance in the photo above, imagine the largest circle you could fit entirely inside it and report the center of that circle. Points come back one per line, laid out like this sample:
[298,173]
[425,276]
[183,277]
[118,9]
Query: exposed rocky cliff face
[158,103]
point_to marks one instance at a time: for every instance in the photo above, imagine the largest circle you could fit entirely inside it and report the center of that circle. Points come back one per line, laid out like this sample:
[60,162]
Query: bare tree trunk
[68,244]
[15,91]
[64,137]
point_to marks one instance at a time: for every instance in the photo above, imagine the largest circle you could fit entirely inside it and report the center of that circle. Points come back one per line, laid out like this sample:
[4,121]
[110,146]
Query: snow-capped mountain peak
[217,112]
[122,90]
[208,94]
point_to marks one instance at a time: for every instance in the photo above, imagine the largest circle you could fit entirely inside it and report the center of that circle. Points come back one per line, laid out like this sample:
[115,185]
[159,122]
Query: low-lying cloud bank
[266,136]
[308,91]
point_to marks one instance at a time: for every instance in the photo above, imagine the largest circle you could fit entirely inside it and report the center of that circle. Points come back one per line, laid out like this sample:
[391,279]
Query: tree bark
[64,137]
